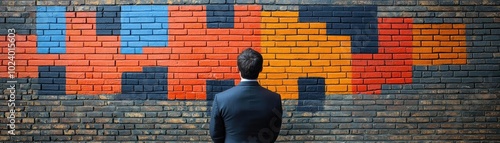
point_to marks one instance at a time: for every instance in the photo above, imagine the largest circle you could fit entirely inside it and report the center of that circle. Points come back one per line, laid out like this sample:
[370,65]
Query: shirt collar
[244,79]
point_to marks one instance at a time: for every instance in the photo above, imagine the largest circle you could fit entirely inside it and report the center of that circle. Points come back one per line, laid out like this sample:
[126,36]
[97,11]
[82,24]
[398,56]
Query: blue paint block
[131,26]
[138,88]
[360,22]
[149,82]
[51,23]
[159,88]
[160,32]
[57,50]
[108,19]
[48,87]
[311,94]
[43,69]
[218,14]
[157,96]
[138,24]
[127,51]
[150,75]
[46,80]
[152,81]
[127,88]
[216,86]
[148,88]
[49,74]
[52,80]
[141,32]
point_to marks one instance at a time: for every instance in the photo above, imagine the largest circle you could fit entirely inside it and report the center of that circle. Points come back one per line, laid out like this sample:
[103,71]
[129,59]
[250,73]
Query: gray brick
[93,103]
[56,114]
[274,7]
[374,108]
[356,126]
[425,14]
[151,108]
[176,132]
[126,138]
[39,114]
[84,108]
[47,103]
[120,103]
[481,32]
[433,20]
[484,73]
[72,103]
[340,120]
[104,138]
[340,113]
[128,108]
[428,2]
[351,108]
[362,120]
[104,108]
[94,114]
[481,43]
[245,1]
[363,113]
[287,2]
[128,120]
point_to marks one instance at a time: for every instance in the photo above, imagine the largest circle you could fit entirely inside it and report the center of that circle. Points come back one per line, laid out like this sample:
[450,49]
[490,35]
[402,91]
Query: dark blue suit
[246,113]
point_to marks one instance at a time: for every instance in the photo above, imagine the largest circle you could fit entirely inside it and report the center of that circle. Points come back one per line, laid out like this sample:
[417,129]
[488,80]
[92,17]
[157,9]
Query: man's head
[250,64]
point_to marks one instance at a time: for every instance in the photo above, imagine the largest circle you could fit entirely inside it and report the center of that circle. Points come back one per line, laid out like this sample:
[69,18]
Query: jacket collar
[249,83]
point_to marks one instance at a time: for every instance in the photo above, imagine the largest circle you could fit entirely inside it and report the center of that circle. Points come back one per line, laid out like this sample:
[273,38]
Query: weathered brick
[128,108]
[388,113]
[93,103]
[128,120]
[176,132]
[84,108]
[104,138]
[134,115]
[81,138]
[356,126]
[126,138]
[351,108]
[417,120]
[175,120]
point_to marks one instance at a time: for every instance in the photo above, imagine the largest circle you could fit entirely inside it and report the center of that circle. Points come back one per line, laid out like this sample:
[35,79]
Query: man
[246,112]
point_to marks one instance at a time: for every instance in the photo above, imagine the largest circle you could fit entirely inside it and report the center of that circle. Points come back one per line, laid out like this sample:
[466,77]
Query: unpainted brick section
[405,118]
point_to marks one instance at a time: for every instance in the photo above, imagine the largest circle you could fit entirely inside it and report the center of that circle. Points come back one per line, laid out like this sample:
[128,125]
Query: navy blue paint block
[149,84]
[220,16]
[357,21]
[52,80]
[108,20]
[214,87]
[156,96]
[311,94]
[217,86]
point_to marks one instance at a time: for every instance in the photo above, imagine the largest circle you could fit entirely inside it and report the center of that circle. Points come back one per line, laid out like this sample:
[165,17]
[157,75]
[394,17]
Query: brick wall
[347,70]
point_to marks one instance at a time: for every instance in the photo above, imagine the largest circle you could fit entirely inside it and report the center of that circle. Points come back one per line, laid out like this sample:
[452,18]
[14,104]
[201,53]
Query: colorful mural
[189,52]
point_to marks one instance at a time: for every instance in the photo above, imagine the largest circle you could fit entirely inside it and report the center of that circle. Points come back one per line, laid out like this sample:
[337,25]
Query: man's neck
[244,79]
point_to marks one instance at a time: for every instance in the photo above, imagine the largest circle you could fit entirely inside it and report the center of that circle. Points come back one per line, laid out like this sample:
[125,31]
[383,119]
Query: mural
[189,52]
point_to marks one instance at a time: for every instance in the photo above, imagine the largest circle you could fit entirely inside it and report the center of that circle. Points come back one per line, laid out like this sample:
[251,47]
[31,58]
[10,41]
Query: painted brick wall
[347,70]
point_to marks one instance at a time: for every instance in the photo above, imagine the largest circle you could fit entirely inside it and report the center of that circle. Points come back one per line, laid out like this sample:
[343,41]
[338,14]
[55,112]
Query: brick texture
[347,70]
[453,117]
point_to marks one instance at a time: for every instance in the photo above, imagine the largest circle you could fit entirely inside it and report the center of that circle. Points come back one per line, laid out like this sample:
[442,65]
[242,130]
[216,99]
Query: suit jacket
[246,113]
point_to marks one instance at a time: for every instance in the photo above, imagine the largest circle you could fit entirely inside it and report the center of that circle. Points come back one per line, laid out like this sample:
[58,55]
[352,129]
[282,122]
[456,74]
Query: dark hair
[250,63]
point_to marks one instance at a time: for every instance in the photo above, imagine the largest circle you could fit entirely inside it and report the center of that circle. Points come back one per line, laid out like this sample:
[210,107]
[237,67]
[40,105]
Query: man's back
[246,113]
